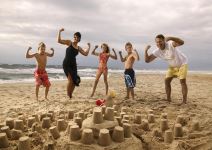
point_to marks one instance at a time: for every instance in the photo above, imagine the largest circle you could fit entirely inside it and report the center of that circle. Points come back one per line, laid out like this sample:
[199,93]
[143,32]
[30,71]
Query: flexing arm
[52,54]
[59,40]
[176,41]
[29,55]
[85,52]
[136,55]
[148,58]
[122,59]
[94,51]
[115,55]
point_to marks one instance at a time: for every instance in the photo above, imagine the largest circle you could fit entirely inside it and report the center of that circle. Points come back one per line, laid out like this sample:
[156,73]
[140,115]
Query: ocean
[13,73]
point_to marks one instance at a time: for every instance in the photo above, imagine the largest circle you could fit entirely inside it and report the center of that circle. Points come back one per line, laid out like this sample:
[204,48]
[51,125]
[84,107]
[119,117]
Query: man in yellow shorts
[167,50]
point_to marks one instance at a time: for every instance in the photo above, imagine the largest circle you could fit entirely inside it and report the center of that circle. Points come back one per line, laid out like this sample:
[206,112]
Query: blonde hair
[108,49]
[41,44]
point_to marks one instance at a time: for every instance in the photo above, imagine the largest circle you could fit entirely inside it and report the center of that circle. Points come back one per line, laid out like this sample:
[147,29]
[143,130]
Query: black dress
[70,64]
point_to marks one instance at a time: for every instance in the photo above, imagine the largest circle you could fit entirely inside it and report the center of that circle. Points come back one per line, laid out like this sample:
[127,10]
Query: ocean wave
[24,73]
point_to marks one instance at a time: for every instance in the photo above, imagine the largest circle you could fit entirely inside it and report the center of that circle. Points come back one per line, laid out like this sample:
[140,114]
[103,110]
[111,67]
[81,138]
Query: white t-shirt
[172,55]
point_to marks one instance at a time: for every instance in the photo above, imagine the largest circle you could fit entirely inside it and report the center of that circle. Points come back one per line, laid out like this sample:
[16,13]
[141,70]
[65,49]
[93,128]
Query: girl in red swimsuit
[102,69]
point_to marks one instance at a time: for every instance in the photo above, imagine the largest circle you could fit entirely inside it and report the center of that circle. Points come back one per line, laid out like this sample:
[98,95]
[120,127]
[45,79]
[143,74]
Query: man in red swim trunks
[41,76]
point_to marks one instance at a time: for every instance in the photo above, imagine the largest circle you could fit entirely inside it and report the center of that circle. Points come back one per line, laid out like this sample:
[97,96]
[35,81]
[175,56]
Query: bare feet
[169,100]
[70,96]
[127,97]
[92,95]
[46,98]
[184,102]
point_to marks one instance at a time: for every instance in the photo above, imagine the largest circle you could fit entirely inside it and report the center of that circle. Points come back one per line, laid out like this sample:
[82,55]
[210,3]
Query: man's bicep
[152,57]
[175,44]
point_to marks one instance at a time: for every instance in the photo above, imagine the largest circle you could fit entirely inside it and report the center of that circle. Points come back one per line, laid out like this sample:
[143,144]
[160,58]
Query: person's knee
[183,82]
[168,81]
[130,89]
[47,84]
[70,81]
[97,80]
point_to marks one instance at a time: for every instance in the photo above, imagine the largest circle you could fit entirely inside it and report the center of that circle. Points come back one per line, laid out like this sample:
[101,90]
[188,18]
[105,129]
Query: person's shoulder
[36,54]
[156,52]
[79,48]
[169,43]
[46,53]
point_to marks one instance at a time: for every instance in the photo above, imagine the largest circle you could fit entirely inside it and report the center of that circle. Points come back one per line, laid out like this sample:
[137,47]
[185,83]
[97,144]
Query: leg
[168,88]
[72,89]
[128,93]
[105,81]
[46,92]
[184,89]
[98,75]
[132,93]
[69,86]
[36,91]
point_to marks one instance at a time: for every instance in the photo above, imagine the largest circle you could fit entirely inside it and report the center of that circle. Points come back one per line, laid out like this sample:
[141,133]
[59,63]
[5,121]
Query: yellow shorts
[179,72]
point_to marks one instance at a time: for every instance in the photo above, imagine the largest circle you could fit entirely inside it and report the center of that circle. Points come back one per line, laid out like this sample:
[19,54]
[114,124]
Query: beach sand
[19,99]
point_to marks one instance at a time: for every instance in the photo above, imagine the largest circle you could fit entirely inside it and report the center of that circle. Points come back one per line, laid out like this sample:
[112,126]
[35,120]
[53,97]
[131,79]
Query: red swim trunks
[41,78]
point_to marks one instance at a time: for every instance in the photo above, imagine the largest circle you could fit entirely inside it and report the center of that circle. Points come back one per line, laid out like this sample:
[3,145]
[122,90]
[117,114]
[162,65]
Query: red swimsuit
[103,58]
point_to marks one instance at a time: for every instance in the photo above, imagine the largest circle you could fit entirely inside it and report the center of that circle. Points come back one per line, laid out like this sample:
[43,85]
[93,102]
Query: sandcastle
[102,129]
[94,128]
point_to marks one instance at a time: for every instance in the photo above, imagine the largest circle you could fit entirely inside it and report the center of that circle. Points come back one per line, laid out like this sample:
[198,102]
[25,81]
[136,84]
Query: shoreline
[120,72]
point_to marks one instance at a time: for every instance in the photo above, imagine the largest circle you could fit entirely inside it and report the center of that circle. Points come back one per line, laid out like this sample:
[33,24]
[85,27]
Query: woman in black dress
[69,62]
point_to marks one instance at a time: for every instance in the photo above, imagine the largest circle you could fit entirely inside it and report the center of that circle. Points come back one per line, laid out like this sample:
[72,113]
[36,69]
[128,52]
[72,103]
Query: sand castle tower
[101,130]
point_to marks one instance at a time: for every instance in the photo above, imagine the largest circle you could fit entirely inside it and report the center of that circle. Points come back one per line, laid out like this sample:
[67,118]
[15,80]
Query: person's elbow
[147,60]
[115,58]
[86,54]
[180,43]
[59,41]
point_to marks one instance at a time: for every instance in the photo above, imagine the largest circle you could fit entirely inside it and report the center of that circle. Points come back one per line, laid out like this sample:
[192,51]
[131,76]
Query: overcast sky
[27,22]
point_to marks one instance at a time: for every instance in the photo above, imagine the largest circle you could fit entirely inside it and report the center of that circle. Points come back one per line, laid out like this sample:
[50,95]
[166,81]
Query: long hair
[108,49]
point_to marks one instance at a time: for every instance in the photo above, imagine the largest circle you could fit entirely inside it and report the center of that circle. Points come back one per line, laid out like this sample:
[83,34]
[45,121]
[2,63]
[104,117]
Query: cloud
[27,22]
